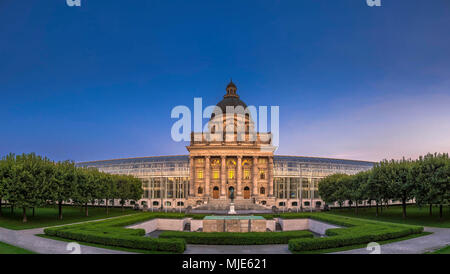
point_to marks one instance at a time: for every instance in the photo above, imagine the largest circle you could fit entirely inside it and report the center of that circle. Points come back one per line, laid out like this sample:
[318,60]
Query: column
[192,177]
[207,175]
[270,170]
[239,176]
[223,176]
[255,175]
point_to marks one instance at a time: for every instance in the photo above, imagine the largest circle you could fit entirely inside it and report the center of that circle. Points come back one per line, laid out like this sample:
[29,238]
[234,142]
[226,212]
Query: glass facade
[168,177]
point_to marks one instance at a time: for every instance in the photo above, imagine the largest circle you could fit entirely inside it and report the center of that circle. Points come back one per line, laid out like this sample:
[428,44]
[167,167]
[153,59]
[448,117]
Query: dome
[230,101]
[231,98]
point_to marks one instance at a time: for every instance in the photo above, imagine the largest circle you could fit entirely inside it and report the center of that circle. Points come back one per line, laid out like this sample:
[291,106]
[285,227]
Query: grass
[47,216]
[105,246]
[414,215]
[350,247]
[10,249]
[445,250]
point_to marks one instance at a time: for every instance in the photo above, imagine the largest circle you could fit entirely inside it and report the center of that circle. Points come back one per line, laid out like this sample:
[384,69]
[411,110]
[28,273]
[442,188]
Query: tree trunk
[440,211]
[404,208]
[86,211]
[376,204]
[381,207]
[431,209]
[33,211]
[0,207]
[356,208]
[12,210]
[107,209]
[24,215]
[60,216]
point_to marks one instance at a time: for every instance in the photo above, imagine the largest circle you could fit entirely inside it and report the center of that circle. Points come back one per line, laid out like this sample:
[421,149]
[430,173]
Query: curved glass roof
[185,158]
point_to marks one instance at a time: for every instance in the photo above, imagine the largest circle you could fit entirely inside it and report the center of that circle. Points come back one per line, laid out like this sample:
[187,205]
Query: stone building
[230,161]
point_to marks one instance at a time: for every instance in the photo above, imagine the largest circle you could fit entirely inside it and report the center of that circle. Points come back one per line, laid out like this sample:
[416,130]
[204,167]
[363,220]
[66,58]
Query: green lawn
[47,216]
[445,250]
[414,215]
[9,249]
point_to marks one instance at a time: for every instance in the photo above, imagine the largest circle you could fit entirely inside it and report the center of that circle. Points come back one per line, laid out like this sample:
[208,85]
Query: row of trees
[425,180]
[29,181]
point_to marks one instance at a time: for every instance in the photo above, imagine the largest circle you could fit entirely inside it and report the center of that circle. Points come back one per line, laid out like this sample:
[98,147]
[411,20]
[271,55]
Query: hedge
[236,238]
[113,233]
[354,231]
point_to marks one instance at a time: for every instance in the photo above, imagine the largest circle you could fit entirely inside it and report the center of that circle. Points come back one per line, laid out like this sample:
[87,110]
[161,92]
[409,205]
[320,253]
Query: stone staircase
[239,204]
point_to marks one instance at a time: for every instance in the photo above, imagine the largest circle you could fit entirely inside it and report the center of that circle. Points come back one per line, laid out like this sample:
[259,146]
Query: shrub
[355,231]
[238,238]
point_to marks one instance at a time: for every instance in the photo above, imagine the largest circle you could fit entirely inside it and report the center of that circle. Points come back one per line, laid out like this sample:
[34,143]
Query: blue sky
[99,81]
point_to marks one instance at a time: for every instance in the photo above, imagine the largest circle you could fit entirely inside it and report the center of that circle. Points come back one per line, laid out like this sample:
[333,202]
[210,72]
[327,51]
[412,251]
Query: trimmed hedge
[112,232]
[236,238]
[354,231]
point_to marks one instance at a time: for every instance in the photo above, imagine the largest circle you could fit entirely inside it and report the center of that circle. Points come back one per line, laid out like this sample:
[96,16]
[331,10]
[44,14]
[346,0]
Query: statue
[232,194]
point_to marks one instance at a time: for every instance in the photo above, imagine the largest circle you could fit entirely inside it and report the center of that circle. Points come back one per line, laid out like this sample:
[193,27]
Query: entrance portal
[215,192]
[246,192]
[231,193]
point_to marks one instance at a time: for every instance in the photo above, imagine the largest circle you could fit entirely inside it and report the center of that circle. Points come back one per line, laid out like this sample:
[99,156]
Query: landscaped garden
[113,233]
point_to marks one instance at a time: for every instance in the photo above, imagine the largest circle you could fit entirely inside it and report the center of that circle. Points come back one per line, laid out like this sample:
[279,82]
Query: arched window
[263,202]
[168,203]
[306,203]
[294,203]
[262,190]
[216,188]
[262,174]
[200,190]
[155,203]
[180,204]
[281,204]
[318,204]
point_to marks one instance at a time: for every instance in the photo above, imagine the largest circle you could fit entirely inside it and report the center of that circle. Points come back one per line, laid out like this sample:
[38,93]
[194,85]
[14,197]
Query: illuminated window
[246,174]
[200,174]
[262,160]
[216,174]
[231,174]
[262,174]
[200,160]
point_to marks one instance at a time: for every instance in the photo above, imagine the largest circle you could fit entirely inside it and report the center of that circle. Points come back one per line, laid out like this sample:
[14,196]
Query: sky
[99,81]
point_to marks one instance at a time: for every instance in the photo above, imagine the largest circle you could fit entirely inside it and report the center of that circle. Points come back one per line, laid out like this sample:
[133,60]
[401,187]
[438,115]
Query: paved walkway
[440,238]
[27,239]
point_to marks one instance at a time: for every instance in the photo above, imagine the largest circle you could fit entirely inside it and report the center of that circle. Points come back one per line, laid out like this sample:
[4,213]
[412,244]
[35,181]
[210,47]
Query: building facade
[230,162]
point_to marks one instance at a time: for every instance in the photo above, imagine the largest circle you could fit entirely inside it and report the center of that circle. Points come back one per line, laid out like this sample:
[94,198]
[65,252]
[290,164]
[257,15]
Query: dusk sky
[99,81]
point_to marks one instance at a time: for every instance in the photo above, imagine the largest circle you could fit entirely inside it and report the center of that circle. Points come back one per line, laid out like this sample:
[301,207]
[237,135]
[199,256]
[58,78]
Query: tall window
[216,174]
[262,174]
[199,174]
[246,174]
[200,190]
[262,190]
[231,174]
[262,160]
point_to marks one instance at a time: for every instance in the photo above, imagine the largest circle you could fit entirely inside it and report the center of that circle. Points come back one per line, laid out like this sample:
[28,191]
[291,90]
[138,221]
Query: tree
[84,188]
[27,181]
[63,184]
[377,184]
[401,182]
[357,185]
[328,187]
